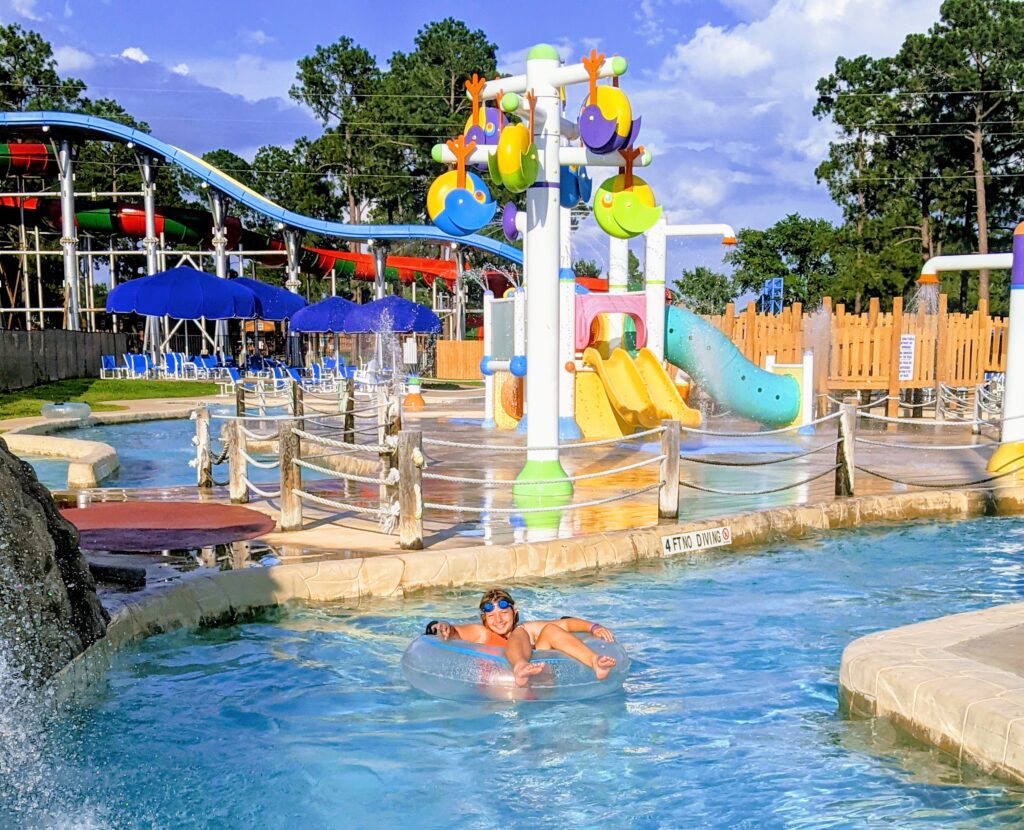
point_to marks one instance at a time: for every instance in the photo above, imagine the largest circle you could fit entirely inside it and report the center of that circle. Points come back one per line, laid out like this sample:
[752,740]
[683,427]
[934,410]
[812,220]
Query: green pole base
[540,492]
[535,477]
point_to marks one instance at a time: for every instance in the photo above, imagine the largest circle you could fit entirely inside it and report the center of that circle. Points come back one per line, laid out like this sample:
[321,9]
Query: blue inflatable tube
[457,670]
[714,362]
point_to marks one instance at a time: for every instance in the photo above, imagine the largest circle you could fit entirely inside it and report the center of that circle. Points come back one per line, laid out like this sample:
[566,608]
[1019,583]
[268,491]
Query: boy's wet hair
[493,595]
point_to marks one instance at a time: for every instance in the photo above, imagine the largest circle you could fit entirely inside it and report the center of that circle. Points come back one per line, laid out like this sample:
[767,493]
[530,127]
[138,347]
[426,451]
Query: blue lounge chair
[109,367]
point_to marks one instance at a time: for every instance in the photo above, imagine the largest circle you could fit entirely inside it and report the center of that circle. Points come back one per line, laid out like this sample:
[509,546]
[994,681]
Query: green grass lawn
[26,402]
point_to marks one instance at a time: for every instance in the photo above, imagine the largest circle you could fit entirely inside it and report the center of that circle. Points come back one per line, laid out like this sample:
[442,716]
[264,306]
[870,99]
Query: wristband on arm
[594,627]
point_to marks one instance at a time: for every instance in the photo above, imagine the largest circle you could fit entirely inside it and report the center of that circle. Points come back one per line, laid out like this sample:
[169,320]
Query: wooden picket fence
[875,350]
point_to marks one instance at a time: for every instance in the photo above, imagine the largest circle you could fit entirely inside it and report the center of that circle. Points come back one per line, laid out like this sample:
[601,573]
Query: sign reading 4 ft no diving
[713,537]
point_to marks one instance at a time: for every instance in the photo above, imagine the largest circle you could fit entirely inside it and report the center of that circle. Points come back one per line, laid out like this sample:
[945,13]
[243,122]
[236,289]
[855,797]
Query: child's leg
[555,637]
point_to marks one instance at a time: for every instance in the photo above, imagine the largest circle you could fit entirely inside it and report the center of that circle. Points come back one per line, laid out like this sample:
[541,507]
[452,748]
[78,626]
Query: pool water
[151,454]
[728,718]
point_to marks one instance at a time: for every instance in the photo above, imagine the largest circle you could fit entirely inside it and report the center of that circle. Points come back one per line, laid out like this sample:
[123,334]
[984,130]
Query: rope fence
[398,466]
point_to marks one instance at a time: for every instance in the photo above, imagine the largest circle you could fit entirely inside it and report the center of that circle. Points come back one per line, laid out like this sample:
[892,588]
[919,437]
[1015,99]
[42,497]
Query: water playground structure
[598,395]
[600,392]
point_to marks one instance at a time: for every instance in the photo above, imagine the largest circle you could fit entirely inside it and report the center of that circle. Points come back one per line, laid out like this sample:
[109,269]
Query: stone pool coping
[935,679]
[956,682]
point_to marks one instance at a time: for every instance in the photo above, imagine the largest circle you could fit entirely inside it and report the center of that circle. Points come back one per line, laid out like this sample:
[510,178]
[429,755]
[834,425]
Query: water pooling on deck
[728,718]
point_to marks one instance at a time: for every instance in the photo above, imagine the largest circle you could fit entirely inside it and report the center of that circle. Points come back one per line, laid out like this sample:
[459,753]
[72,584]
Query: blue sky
[725,87]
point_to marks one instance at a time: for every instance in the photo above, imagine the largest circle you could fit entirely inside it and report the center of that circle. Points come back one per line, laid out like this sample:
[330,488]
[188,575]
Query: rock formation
[49,611]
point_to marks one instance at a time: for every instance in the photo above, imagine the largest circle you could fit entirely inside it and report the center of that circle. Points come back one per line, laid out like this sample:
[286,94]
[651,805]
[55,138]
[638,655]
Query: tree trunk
[977,139]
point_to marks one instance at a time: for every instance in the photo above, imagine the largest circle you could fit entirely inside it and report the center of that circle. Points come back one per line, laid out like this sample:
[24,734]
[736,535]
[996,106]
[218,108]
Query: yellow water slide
[594,414]
[622,395]
[625,388]
[664,393]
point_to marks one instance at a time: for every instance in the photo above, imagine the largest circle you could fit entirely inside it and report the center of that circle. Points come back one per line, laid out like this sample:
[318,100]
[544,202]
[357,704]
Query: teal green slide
[717,366]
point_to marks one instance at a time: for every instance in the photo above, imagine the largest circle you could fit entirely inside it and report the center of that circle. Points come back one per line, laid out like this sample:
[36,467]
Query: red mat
[164,525]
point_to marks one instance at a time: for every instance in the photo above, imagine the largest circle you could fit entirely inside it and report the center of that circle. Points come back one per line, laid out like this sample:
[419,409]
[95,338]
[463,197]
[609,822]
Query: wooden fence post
[893,402]
[844,450]
[240,399]
[349,436]
[823,361]
[238,491]
[298,400]
[750,333]
[291,475]
[981,340]
[389,424]
[410,489]
[204,460]
[668,493]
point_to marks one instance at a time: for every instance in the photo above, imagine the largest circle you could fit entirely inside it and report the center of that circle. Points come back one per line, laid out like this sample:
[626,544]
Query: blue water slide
[714,362]
[88,126]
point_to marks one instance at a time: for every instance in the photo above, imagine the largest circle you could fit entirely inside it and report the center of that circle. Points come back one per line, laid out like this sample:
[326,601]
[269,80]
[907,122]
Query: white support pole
[218,208]
[149,243]
[654,288]
[654,272]
[618,283]
[68,238]
[807,394]
[1013,392]
[489,422]
[542,470]
[293,283]
[460,294]
[568,429]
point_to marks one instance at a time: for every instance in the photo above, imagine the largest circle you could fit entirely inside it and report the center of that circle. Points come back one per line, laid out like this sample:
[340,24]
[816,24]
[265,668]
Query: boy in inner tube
[499,626]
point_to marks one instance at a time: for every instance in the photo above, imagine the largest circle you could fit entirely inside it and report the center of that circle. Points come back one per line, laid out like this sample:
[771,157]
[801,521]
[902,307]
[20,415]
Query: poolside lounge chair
[109,367]
[230,384]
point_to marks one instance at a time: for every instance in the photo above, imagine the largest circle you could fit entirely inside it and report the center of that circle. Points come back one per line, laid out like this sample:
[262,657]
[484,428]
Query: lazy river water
[728,718]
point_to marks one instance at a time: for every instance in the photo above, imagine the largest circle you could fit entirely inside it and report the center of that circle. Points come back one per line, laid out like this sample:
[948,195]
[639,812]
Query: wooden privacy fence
[875,350]
[459,359]
[28,358]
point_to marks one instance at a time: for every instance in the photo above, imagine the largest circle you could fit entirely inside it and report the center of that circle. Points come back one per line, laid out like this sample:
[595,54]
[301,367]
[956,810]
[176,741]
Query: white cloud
[134,53]
[70,59]
[26,9]
[714,53]
[68,12]
[250,76]
[728,116]
[256,37]
[180,69]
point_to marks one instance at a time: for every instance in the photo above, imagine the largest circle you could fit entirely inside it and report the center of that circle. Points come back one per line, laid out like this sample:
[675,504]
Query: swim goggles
[487,607]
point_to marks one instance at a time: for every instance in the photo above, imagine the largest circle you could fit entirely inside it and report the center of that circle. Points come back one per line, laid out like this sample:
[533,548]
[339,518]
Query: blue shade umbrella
[392,314]
[275,303]
[184,294]
[325,316]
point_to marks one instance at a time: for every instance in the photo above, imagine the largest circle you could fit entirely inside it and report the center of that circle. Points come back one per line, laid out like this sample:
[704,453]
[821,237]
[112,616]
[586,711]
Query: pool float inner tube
[65,409]
[458,670]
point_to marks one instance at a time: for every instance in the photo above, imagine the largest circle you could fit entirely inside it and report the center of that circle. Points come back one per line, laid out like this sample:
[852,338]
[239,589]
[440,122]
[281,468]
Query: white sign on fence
[714,537]
[907,346]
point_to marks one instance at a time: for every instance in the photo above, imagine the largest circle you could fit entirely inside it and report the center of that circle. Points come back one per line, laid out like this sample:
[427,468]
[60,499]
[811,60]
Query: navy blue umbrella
[325,316]
[392,313]
[184,294]
[275,303]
